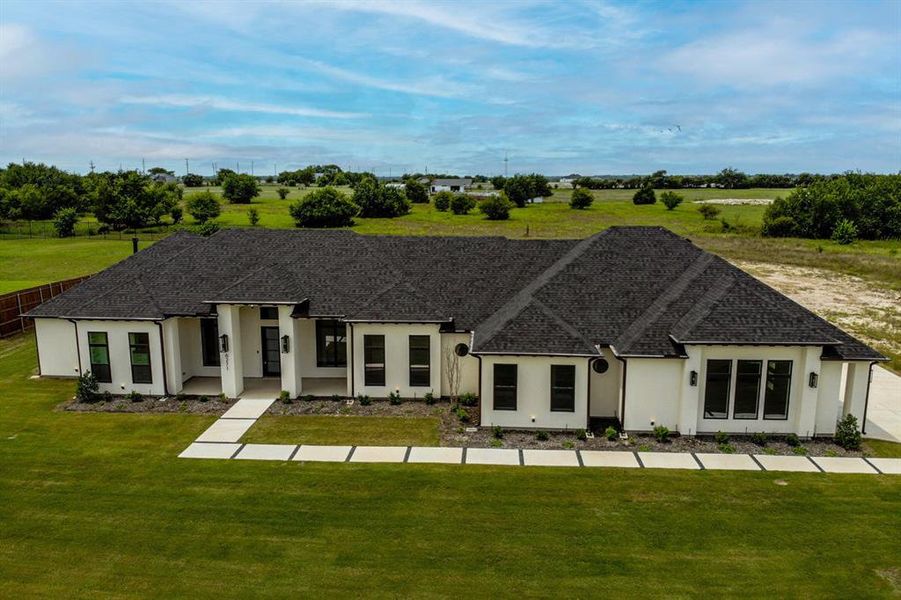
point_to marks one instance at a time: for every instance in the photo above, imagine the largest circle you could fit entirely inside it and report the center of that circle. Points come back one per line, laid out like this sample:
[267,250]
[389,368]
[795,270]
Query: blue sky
[577,86]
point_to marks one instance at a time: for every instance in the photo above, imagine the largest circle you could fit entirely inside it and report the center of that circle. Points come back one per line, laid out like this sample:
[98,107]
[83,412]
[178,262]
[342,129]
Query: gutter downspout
[866,401]
[622,411]
[352,366]
[77,349]
[163,353]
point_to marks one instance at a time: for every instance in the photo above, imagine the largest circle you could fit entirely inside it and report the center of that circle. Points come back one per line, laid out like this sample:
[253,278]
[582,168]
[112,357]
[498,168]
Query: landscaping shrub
[203,206]
[64,222]
[442,200]
[364,400]
[671,199]
[223,397]
[581,435]
[792,440]
[542,436]
[336,397]
[661,432]
[581,198]
[611,433]
[207,228]
[282,192]
[721,438]
[308,397]
[708,211]
[496,208]
[324,207]
[727,448]
[429,398]
[86,388]
[416,192]
[253,216]
[496,443]
[845,232]
[135,396]
[644,196]
[203,399]
[567,444]
[468,399]
[240,189]
[192,180]
[847,433]
[462,414]
[377,201]
[759,438]
[177,214]
[394,398]
[799,450]
[497,432]
[285,397]
[461,204]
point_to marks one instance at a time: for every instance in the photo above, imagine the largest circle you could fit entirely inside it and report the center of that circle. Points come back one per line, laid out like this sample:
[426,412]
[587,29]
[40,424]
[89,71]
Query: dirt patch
[737,201]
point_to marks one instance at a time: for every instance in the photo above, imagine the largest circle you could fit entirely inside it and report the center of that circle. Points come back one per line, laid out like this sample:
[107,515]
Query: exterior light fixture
[223,343]
[286,344]
[693,378]
[813,379]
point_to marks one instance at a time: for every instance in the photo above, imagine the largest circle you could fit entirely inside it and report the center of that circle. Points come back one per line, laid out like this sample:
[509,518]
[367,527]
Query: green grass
[98,505]
[882,449]
[344,430]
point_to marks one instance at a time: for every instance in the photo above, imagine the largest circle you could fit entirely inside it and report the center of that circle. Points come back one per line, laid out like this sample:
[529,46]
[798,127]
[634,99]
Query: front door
[272,366]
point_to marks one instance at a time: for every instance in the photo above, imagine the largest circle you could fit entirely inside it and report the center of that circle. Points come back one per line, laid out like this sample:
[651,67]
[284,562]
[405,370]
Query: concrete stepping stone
[247,408]
[379,454]
[226,430]
[668,460]
[436,455]
[266,451]
[322,453]
[728,462]
[843,464]
[797,464]
[889,466]
[492,456]
[197,450]
[550,458]
[599,458]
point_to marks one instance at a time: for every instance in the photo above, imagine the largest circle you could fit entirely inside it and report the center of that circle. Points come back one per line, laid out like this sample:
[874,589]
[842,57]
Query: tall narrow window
[374,360]
[331,344]
[778,386]
[98,348]
[505,387]
[139,350]
[747,389]
[563,388]
[268,313]
[716,390]
[209,342]
[420,361]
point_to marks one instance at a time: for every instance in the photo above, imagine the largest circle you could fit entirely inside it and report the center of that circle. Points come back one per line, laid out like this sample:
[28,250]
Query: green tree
[380,201]
[498,181]
[732,179]
[192,180]
[129,199]
[416,192]
[203,206]
[240,189]
[670,199]
[644,195]
[64,222]
[581,198]
[461,204]
[442,200]
[325,207]
[496,208]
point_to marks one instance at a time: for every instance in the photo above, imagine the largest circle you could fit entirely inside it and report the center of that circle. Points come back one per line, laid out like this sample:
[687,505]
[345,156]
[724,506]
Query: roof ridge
[521,299]
[562,322]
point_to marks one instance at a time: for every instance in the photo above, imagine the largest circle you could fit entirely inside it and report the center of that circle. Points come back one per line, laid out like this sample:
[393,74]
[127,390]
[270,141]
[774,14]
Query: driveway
[884,409]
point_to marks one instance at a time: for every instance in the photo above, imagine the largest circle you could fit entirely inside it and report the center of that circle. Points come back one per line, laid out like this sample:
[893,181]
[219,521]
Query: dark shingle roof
[642,290]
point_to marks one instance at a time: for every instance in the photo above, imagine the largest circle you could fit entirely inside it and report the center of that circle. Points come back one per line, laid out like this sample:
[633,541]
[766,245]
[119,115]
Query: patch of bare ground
[866,310]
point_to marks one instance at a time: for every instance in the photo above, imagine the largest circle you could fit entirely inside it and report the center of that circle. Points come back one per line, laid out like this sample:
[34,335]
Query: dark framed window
[563,388]
[331,344]
[209,342]
[139,351]
[374,360]
[778,388]
[505,387]
[98,349]
[747,389]
[420,360]
[716,390]
[268,313]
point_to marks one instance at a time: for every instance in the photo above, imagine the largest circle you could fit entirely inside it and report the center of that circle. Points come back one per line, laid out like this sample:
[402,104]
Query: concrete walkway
[884,409]
[220,441]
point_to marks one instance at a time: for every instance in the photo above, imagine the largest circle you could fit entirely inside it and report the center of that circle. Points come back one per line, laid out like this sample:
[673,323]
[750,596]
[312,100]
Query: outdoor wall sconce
[813,379]
[693,378]
[286,344]
[223,343]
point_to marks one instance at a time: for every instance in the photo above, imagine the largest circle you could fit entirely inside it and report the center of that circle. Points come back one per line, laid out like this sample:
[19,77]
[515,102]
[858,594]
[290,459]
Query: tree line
[728,178]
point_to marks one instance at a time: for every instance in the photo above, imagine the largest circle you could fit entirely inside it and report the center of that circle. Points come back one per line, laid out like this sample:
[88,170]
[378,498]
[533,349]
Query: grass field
[344,430]
[98,505]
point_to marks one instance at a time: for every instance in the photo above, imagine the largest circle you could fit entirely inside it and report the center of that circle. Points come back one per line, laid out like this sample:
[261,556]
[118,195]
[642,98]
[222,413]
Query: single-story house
[634,324]
[449,185]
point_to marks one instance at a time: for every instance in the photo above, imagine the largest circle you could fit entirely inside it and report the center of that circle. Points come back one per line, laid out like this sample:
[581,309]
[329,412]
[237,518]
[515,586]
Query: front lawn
[344,430]
[98,505]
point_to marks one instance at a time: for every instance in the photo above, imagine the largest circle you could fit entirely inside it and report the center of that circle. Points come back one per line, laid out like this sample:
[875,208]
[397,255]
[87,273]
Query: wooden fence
[14,304]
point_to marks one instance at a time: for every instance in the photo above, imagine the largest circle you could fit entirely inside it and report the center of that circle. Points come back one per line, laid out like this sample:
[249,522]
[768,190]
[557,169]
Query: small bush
[253,216]
[107,396]
[461,204]
[792,440]
[282,192]
[497,432]
[727,448]
[847,433]
[496,443]
[708,211]
[394,398]
[661,432]
[240,189]
[721,438]
[442,200]
[64,222]
[285,397]
[581,199]
[207,228]
[429,398]
[783,226]
[468,399]
[177,214]
[135,396]
[308,397]
[581,435]
[799,450]
[364,400]
[86,388]
[568,444]
[223,397]
[496,208]
[759,438]
[325,207]
[611,433]
[416,192]
[671,199]
[203,206]
[336,397]
[203,399]
[462,414]
[845,232]
[542,436]
[644,196]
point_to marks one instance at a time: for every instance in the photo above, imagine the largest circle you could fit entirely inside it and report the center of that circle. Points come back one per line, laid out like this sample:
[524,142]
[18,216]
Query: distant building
[450,185]
[163,178]
[396,184]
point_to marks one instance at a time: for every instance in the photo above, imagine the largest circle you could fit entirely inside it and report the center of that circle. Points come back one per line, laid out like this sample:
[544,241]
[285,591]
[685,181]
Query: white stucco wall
[533,401]
[56,347]
[830,396]
[120,362]
[192,350]
[397,358]
[468,365]
[606,388]
[856,385]
[652,393]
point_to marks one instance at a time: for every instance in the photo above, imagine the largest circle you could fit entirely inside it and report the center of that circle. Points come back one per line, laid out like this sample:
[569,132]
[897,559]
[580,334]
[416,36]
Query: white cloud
[218,103]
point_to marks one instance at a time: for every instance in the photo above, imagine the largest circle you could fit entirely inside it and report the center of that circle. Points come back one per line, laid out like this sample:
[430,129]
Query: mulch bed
[153,404]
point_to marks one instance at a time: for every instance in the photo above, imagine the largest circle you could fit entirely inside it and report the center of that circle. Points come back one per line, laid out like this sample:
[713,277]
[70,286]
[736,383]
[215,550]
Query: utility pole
[143,167]
[187,170]
[92,166]
[251,168]
[237,166]
[505,164]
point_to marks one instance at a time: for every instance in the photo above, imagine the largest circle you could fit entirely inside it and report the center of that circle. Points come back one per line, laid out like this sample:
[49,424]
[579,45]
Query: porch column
[231,366]
[807,415]
[690,394]
[289,359]
[856,385]
[172,347]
